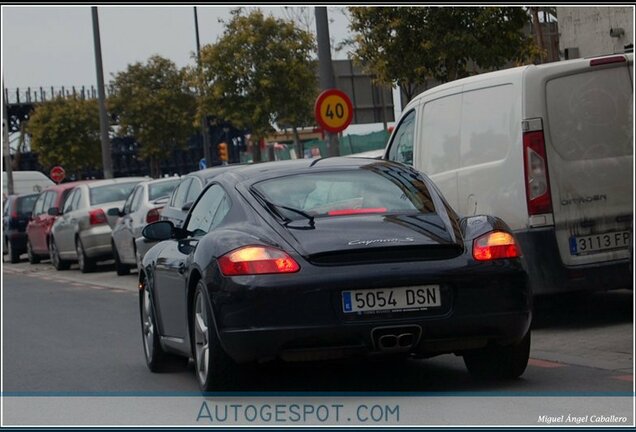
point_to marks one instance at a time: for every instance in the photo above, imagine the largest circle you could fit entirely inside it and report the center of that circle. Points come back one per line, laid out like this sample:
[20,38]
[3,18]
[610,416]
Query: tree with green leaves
[261,72]
[154,103]
[408,46]
[66,132]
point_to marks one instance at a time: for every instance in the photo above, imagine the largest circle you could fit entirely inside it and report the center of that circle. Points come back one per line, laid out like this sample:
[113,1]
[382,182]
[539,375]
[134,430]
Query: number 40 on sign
[333,110]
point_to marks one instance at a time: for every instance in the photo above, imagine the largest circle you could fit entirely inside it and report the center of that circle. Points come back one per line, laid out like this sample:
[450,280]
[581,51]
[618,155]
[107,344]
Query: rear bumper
[96,241]
[548,275]
[307,322]
[433,337]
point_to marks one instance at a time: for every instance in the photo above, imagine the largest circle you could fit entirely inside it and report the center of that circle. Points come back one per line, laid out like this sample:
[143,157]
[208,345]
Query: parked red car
[39,227]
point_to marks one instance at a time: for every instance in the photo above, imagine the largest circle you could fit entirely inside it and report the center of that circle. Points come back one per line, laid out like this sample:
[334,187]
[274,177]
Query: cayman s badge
[376,241]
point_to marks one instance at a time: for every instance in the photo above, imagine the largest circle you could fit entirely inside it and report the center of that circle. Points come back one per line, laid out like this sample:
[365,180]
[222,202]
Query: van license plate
[580,245]
[391,299]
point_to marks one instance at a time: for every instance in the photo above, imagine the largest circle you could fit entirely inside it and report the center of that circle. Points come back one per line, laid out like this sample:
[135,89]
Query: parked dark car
[16,215]
[39,227]
[337,257]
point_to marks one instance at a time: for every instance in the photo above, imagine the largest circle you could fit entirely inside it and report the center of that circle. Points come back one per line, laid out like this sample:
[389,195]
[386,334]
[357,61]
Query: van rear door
[589,146]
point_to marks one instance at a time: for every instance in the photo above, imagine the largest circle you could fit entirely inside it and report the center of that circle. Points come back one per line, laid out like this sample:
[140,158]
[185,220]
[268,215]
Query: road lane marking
[544,364]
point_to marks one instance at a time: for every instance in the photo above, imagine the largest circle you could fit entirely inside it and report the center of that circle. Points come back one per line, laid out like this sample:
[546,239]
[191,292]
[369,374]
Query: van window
[488,123]
[402,145]
[590,114]
[441,134]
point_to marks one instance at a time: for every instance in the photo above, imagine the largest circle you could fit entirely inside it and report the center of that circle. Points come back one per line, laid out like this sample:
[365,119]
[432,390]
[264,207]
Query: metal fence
[43,94]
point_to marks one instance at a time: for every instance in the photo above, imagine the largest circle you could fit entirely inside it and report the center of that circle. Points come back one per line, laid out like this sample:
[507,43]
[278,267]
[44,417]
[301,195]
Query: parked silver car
[82,232]
[143,206]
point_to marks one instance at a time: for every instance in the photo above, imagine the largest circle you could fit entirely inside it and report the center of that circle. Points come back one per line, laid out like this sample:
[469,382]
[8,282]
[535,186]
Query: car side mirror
[158,231]
[114,212]
[53,211]
[187,206]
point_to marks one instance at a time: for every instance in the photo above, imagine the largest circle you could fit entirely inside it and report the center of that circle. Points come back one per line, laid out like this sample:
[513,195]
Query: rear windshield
[162,189]
[111,193]
[590,114]
[372,189]
[25,203]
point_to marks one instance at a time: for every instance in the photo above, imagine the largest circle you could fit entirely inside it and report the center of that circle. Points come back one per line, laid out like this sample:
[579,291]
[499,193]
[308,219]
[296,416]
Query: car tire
[120,268]
[86,264]
[157,359]
[499,362]
[14,255]
[214,369]
[54,253]
[33,258]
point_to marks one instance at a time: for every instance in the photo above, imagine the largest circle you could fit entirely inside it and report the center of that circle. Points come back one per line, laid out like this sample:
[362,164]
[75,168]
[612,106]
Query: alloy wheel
[201,339]
[148,325]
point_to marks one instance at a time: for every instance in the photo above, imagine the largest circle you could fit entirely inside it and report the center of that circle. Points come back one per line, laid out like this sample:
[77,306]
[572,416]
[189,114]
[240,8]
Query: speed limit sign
[333,110]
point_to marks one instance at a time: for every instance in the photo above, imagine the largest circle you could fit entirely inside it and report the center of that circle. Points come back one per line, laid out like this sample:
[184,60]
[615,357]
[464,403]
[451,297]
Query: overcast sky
[53,45]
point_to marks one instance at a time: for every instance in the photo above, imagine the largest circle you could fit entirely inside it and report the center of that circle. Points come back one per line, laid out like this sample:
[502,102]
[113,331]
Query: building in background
[593,31]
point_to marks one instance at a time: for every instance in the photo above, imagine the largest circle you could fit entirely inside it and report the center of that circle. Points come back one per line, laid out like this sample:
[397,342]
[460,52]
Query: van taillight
[607,60]
[535,166]
[96,217]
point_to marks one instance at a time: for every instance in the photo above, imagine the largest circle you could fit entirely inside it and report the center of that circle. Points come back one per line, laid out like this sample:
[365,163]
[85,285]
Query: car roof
[64,186]
[162,180]
[208,173]
[278,168]
[113,181]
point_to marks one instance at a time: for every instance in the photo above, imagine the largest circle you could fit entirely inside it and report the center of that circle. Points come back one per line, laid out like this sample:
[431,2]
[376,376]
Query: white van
[549,149]
[26,182]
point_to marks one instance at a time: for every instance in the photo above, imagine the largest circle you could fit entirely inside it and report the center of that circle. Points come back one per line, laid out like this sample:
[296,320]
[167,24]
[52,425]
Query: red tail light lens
[495,245]
[607,60]
[96,217]
[253,260]
[153,215]
[536,171]
[346,212]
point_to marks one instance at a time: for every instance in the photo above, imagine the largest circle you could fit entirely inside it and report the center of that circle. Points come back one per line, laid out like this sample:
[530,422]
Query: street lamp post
[204,124]
[101,94]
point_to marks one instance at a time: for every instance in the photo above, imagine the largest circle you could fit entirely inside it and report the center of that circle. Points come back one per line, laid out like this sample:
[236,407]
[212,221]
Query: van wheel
[120,268]
[58,263]
[86,264]
[495,362]
[33,258]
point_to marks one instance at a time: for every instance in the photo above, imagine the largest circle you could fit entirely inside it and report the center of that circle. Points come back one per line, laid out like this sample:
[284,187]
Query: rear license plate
[581,245]
[391,299]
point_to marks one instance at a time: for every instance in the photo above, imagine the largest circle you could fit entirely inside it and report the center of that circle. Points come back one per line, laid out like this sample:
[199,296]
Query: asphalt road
[64,331]
[80,334]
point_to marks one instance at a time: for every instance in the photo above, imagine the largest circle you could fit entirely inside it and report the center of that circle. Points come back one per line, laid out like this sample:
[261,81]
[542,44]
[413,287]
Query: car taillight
[96,217]
[346,212]
[14,214]
[153,215]
[535,166]
[495,245]
[252,260]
